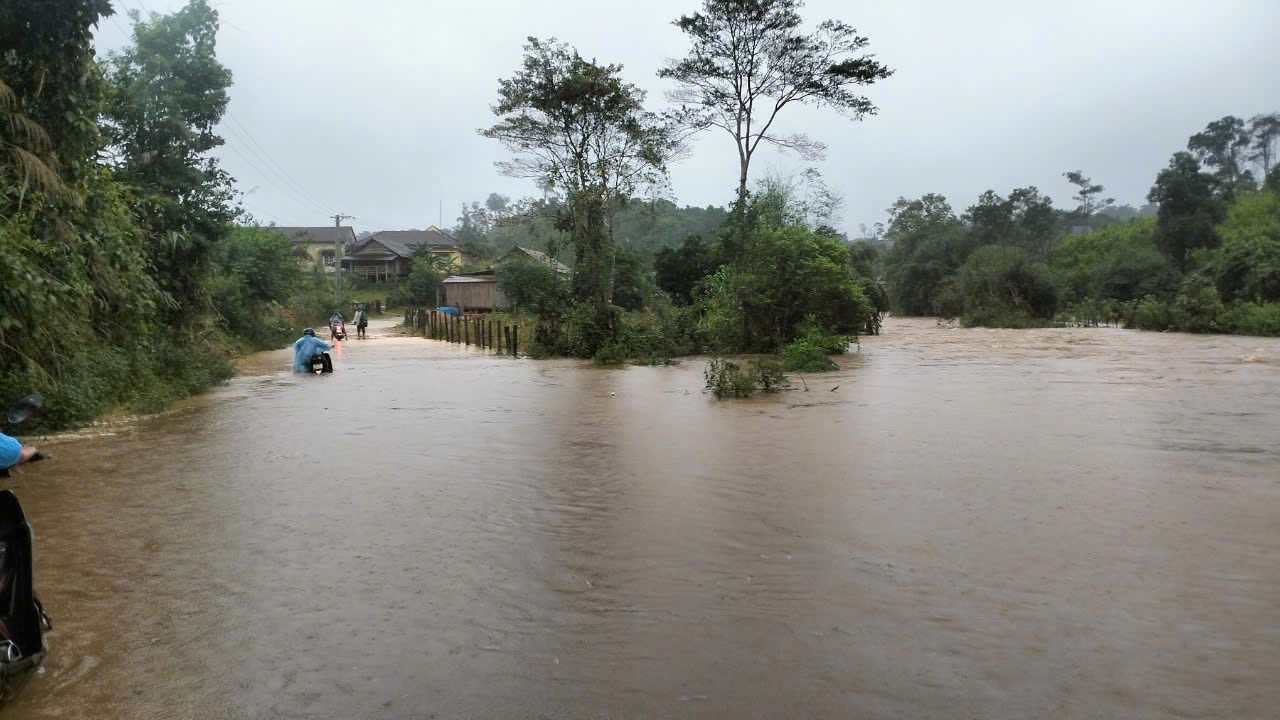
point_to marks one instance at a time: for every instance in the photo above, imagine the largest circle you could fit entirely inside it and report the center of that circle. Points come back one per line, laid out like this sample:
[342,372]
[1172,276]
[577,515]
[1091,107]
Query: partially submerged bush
[1253,319]
[610,354]
[1197,307]
[1151,314]
[768,373]
[805,357]
[725,379]
[830,343]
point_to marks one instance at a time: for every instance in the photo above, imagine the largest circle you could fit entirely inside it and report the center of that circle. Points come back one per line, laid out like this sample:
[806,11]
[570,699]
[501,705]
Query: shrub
[781,277]
[805,357]
[767,373]
[532,286]
[1151,314]
[830,343]
[1196,308]
[1006,286]
[725,379]
[610,354]
[654,337]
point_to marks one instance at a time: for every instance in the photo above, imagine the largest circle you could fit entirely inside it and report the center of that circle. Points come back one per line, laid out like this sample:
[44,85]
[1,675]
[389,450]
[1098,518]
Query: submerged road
[957,524]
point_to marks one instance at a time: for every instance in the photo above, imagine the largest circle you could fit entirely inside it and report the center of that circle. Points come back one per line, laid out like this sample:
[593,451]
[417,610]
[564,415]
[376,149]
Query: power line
[298,197]
[267,155]
[266,171]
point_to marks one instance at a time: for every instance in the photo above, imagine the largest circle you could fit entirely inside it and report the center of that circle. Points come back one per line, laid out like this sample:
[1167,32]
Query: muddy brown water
[957,524]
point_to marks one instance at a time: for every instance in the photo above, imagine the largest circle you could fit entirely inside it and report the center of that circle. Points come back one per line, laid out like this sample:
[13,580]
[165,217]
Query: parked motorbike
[337,331]
[23,622]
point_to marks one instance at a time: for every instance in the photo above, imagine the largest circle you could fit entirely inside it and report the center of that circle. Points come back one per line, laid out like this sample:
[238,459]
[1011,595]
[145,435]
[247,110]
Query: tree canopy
[750,59]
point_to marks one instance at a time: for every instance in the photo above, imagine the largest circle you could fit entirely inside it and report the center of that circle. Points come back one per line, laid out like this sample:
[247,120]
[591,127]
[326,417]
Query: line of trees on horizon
[1203,256]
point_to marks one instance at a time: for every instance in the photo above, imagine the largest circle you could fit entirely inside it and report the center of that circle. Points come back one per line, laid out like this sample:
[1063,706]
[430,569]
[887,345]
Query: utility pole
[337,257]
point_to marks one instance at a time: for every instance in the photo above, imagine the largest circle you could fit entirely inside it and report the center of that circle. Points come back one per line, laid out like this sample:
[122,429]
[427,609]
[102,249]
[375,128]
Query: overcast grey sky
[371,107]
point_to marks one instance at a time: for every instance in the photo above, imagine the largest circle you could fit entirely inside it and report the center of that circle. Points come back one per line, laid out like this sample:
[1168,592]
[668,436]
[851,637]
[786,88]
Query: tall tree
[1025,219]
[1222,146]
[1265,131]
[576,126]
[497,204]
[929,243]
[1189,208]
[168,91]
[1088,195]
[750,59]
[48,66]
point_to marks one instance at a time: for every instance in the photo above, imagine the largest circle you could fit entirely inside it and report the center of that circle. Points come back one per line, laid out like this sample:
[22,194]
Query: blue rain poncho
[10,451]
[304,349]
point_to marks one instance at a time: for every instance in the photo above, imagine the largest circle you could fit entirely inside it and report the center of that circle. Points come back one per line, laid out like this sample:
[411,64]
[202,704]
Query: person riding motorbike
[337,325]
[307,347]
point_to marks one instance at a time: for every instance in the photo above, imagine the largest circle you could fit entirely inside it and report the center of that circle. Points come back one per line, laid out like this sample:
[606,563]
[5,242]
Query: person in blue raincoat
[13,452]
[307,347]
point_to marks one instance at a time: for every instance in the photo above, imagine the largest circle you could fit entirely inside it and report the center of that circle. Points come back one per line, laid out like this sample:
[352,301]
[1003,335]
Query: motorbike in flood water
[321,363]
[23,622]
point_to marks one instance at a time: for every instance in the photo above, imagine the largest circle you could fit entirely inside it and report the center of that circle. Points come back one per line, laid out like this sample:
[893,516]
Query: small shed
[478,291]
[475,292]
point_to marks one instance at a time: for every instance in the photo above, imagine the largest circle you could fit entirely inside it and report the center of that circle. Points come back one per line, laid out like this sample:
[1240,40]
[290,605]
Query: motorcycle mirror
[25,408]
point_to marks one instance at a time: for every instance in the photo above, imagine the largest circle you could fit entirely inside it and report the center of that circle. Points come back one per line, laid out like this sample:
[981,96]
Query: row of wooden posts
[467,331]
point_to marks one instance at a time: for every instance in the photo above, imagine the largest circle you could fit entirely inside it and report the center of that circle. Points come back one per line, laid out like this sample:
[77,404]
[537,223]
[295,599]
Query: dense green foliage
[531,286]
[254,273]
[125,283]
[1248,265]
[1005,286]
[1117,262]
[1206,260]
[726,379]
[783,276]
[679,271]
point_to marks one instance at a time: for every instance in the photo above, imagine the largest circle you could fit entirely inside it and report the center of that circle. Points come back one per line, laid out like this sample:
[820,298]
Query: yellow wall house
[389,254]
[314,246]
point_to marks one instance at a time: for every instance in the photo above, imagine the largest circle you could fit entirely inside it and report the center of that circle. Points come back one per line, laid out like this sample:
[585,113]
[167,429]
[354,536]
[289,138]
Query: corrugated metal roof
[541,257]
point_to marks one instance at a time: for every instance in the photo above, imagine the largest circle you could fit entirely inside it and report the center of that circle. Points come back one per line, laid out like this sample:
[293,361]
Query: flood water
[957,524]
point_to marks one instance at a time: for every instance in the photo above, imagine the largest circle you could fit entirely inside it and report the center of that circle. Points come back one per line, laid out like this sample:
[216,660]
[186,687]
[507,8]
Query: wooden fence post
[515,340]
